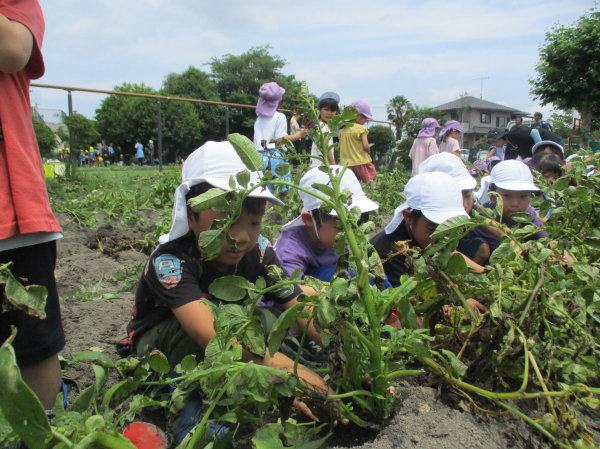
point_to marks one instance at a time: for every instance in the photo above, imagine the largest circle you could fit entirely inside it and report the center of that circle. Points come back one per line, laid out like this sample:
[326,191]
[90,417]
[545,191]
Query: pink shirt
[422,148]
[449,146]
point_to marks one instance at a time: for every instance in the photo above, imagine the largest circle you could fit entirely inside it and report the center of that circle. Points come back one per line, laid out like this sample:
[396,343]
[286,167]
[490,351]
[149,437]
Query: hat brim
[467,183]
[262,193]
[517,186]
[498,137]
[443,215]
[545,143]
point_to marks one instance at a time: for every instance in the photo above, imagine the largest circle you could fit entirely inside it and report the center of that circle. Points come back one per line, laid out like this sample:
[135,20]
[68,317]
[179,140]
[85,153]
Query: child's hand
[304,132]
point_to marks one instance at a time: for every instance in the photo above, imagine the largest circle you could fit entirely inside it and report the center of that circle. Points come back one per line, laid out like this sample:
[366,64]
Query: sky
[430,51]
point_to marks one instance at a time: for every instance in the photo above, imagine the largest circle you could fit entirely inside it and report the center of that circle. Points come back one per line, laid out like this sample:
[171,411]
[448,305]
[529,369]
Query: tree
[239,78]
[194,83]
[397,110]
[562,124]
[84,131]
[569,69]
[402,151]
[46,139]
[416,115]
[383,141]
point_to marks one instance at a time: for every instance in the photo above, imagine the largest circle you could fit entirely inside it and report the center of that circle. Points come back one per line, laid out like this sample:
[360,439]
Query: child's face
[550,176]
[245,231]
[326,233]
[552,150]
[514,201]
[468,200]
[361,119]
[327,113]
[500,142]
[420,230]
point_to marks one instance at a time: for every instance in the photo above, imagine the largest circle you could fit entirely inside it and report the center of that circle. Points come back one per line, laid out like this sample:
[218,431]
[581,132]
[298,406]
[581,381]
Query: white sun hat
[437,195]
[214,163]
[451,164]
[544,143]
[349,181]
[513,175]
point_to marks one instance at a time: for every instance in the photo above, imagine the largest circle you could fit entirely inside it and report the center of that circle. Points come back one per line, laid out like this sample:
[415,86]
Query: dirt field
[423,420]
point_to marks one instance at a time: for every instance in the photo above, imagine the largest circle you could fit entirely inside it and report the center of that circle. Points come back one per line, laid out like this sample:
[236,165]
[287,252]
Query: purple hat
[494,158]
[428,127]
[481,165]
[270,94]
[363,108]
[452,124]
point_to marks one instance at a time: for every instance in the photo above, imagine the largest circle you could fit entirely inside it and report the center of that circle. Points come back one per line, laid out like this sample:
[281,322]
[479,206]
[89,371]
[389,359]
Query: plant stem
[544,387]
[472,314]
[297,359]
[538,285]
[105,441]
[364,340]
[350,394]
[63,439]
[405,372]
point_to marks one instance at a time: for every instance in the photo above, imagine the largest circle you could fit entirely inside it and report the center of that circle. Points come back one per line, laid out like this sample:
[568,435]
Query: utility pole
[481,91]
[160,161]
[226,122]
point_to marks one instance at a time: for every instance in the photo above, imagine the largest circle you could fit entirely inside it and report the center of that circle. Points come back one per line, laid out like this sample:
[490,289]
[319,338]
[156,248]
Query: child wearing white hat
[513,181]
[431,199]
[170,313]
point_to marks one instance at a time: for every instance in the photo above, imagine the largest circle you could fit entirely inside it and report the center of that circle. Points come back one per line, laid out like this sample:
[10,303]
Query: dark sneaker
[311,354]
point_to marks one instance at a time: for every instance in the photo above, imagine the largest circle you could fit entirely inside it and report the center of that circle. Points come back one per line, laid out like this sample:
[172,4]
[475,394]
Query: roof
[477,103]
[479,130]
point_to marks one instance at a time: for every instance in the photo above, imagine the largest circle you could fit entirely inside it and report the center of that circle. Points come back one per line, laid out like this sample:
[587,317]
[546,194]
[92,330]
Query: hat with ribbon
[214,163]
[270,94]
[437,195]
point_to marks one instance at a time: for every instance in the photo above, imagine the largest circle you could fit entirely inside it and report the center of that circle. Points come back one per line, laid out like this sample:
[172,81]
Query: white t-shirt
[269,128]
[315,151]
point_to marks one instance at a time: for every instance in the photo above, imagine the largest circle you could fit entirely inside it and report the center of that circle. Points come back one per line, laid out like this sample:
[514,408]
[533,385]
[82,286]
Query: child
[548,165]
[328,107]
[271,126]
[474,248]
[170,313]
[431,199]
[139,152]
[307,241]
[548,146]
[449,136]
[513,181]
[425,144]
[355,150]
[295,128]
[497,139]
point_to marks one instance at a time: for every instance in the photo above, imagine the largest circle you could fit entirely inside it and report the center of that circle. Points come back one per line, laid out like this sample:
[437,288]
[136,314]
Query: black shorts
[36,339]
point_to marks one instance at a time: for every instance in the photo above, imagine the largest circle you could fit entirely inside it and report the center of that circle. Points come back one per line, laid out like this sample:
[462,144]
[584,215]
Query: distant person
[425,144]
[449,136]
[355,149]
[539,123]
[518,124]
[270,127]
[104,153]
[91,156]
[328,107]
[151,152]
[28,229]
[139,152]
[497,139]
[295,128]
[111,154]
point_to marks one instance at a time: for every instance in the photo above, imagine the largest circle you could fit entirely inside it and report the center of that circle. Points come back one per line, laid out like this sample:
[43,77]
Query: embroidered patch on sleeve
[168,270]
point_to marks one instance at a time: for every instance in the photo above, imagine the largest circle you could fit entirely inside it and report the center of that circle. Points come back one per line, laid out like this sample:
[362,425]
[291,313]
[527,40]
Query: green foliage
[239,78]
[402,152]
[398,109]
[85,133]
[416,115]
[383,141]
[30,299]
[389,193]
[46,139]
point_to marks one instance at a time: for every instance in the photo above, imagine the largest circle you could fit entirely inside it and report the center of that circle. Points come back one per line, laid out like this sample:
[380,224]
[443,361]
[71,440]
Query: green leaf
[323,188]
[504,252]
[268,437]
[20,406]
[208,200]
[340,243]
[229,288]
[95,357]
[585,272]
[283,323]
[158,362]
[232,184]
[459,369]
[283,168]
[408,317]
[94,422]
[498,204]
[211,242]
[30,300]
[246,151]
[415,347]
[457,265]
[521,217]
[139,402]
[253,337]
[561,183]
[326,311]
[455,225]
[243,178]
[101,373]
[296,273]
[189,363]
[84,400]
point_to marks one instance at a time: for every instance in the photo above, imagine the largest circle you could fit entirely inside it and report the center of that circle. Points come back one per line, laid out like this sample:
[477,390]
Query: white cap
[513,175]
[349,181]
[437,195]
[544,143]
[214,163]
[451,164]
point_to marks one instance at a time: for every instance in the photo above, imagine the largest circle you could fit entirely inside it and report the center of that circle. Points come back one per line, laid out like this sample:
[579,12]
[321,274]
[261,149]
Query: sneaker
[311,354]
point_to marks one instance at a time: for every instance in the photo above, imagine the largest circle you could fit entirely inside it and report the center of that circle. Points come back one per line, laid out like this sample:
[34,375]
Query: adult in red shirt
[28,229]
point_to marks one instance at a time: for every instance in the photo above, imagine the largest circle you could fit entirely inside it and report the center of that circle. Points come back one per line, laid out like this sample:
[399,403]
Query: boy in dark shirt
[170,313]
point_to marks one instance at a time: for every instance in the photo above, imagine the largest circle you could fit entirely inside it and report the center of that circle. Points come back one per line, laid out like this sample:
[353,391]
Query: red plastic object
[146,436]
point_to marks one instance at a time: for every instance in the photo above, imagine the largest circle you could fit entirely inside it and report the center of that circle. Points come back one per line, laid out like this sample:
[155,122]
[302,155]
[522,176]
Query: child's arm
[330,157]
[473,267]
[491,154]
[16,45]
[365,143]
[299,135]
[301,323]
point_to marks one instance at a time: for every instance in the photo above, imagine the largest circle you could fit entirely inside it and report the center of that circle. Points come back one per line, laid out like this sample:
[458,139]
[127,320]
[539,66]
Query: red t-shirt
[24,203]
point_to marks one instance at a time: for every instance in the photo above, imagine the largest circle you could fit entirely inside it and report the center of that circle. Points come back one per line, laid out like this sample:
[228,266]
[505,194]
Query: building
[478,116]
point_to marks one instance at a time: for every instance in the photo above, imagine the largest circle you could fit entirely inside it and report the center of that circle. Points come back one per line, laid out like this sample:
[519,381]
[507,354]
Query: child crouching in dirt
[170,313]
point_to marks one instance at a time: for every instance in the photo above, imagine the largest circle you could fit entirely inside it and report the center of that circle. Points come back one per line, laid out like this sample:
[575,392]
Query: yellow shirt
[351,148]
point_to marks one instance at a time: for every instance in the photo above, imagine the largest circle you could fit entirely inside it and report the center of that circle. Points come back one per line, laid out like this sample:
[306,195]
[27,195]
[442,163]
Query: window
[454,116]
[486,117]
[501,122]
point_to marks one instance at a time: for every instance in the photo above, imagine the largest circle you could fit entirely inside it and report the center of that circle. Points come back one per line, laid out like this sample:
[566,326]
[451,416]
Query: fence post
[160,161]
[226,122]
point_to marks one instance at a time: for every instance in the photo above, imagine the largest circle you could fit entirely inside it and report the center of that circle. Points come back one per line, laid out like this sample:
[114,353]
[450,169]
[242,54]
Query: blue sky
[428,51]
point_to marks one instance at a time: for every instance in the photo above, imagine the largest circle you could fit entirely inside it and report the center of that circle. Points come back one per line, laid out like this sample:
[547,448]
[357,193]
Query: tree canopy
[416,115]
[84,132]
[397,109]
[383,141]
[569,68]
[238,80]
[46,139]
